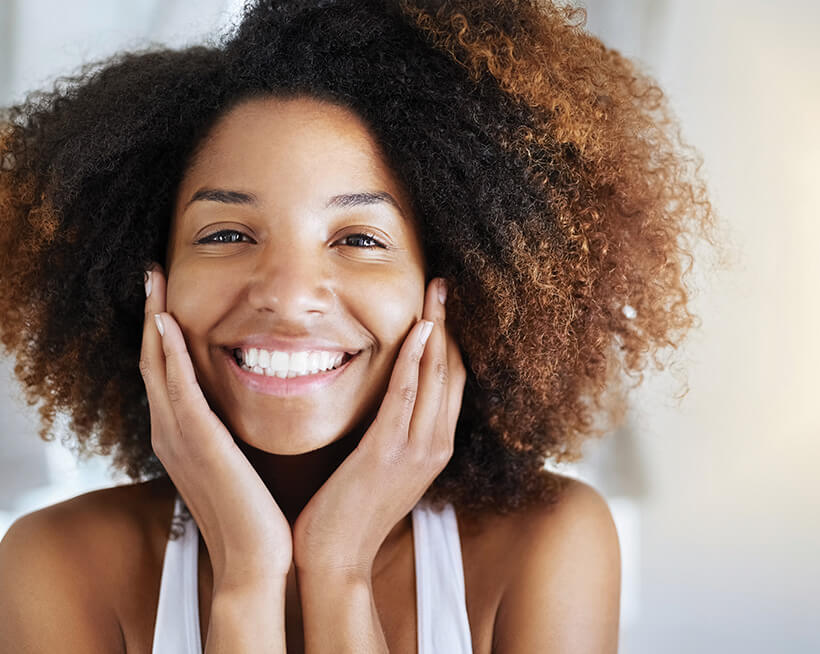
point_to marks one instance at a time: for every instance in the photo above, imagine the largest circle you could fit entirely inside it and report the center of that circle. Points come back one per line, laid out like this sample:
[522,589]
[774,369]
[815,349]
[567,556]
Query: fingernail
[160,328]
[147,283]
[442,291]
[425,331]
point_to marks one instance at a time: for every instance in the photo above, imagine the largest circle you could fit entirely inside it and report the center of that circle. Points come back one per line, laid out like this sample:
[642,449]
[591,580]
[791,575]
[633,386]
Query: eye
[359,238]
[223,236]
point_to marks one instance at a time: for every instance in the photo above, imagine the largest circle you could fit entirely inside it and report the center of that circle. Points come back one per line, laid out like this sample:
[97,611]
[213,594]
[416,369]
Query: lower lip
[288,386]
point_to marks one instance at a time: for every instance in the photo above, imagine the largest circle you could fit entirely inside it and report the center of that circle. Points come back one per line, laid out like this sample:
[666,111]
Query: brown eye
[356,239]
[223,236]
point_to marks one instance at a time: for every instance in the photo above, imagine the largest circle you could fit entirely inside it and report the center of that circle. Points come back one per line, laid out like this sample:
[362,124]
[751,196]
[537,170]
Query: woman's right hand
[249,540]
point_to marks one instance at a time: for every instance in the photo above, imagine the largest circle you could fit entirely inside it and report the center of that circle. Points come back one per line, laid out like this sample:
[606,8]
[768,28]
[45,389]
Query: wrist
[329,585]
[249,585]
[334,574]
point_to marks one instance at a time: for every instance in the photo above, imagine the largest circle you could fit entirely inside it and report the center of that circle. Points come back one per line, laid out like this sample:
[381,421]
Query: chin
[291,441]
[288,446]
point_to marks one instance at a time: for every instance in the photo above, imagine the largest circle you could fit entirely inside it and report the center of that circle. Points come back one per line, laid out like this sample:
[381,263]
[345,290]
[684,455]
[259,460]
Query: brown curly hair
[554,191]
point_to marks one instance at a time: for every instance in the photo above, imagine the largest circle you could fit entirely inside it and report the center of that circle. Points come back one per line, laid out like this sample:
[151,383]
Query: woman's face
[288,186]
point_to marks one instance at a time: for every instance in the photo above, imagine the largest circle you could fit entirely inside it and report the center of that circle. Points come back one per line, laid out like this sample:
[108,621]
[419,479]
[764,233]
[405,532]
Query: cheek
[192,299]
[391,312]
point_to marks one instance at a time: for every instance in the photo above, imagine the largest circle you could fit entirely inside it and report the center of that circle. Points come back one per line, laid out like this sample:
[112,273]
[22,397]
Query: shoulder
[562,592]
[61,568]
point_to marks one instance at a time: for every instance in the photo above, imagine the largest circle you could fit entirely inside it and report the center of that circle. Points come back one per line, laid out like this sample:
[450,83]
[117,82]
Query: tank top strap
[176,630]
[441,600]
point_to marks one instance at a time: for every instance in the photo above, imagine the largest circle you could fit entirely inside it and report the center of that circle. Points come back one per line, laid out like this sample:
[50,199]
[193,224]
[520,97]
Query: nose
[291,283]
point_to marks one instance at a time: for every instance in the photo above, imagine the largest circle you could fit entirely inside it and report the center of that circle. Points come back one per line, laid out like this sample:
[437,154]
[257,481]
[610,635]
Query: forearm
[339,615]
[247,620]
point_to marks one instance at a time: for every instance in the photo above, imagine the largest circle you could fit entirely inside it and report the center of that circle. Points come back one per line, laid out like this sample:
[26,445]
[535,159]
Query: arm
[339,614]
[247,618]
[564,596]
[48,600]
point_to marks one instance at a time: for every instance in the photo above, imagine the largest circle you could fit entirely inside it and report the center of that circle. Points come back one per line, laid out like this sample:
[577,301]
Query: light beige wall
[731,524]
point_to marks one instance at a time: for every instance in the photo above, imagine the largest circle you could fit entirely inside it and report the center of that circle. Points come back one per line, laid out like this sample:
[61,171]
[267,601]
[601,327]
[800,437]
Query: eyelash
[211,238]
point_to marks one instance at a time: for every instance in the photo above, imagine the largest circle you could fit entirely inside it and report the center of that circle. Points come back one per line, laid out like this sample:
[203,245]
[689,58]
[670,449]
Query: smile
[270,381]
[288,364]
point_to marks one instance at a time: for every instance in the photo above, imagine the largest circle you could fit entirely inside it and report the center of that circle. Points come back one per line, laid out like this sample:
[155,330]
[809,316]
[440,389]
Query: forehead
[290,144]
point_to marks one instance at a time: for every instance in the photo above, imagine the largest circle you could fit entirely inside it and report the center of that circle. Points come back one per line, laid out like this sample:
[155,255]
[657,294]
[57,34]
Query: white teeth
[279,361]
[284,365]
[298,362]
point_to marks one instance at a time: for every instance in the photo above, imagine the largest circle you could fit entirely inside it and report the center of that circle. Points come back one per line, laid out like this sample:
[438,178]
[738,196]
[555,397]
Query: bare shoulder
[62,568]
[562,589]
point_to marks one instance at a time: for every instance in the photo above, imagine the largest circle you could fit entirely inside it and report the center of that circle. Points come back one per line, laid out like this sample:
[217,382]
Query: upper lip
[270,343]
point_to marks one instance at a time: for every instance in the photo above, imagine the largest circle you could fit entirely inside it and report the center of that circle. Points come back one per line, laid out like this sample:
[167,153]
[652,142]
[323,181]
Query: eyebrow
[362,199]
[343,201]
[222,195]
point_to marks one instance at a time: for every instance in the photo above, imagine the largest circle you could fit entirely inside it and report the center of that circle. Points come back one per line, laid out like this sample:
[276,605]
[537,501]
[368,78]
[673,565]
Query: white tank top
[440,598]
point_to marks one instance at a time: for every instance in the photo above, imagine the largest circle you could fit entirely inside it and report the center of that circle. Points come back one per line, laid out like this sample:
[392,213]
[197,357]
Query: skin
[319,557]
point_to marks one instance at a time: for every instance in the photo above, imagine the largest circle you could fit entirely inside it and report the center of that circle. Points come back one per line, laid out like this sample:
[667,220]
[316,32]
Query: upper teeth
[288,364]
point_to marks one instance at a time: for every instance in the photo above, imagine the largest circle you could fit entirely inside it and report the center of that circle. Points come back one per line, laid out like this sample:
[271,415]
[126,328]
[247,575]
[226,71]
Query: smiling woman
[395,256]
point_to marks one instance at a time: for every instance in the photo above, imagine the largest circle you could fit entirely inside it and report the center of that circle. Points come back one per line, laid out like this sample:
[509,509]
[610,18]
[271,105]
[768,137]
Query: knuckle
[442,447]
[169,445]
[415,357]
[419,457]
[160,445]
[145,370]
[442,372]
[407,394]
[442,455]
[176,390]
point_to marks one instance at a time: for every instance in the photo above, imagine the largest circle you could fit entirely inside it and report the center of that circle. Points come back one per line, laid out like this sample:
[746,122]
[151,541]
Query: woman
[395,255]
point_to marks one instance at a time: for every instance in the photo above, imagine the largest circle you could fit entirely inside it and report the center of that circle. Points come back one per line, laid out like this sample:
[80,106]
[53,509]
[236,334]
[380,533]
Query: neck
[293,479]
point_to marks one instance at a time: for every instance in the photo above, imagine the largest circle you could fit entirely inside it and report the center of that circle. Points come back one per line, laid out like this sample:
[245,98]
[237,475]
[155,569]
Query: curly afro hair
[548,174]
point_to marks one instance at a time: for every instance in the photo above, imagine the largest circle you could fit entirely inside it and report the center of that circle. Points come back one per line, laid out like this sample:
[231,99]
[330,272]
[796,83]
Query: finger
[189,406]
[397,407]
[433,374]
[457,377]
[152,360]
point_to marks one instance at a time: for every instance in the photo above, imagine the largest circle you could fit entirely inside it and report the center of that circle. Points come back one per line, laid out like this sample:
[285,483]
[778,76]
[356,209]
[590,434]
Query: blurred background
[715,496]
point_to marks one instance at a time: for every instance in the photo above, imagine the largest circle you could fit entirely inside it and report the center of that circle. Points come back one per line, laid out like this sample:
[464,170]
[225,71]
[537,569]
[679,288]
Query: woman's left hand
[408,444]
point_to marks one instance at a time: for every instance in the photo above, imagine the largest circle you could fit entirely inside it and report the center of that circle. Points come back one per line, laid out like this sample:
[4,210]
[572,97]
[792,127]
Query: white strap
[443,625]
[177,626]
